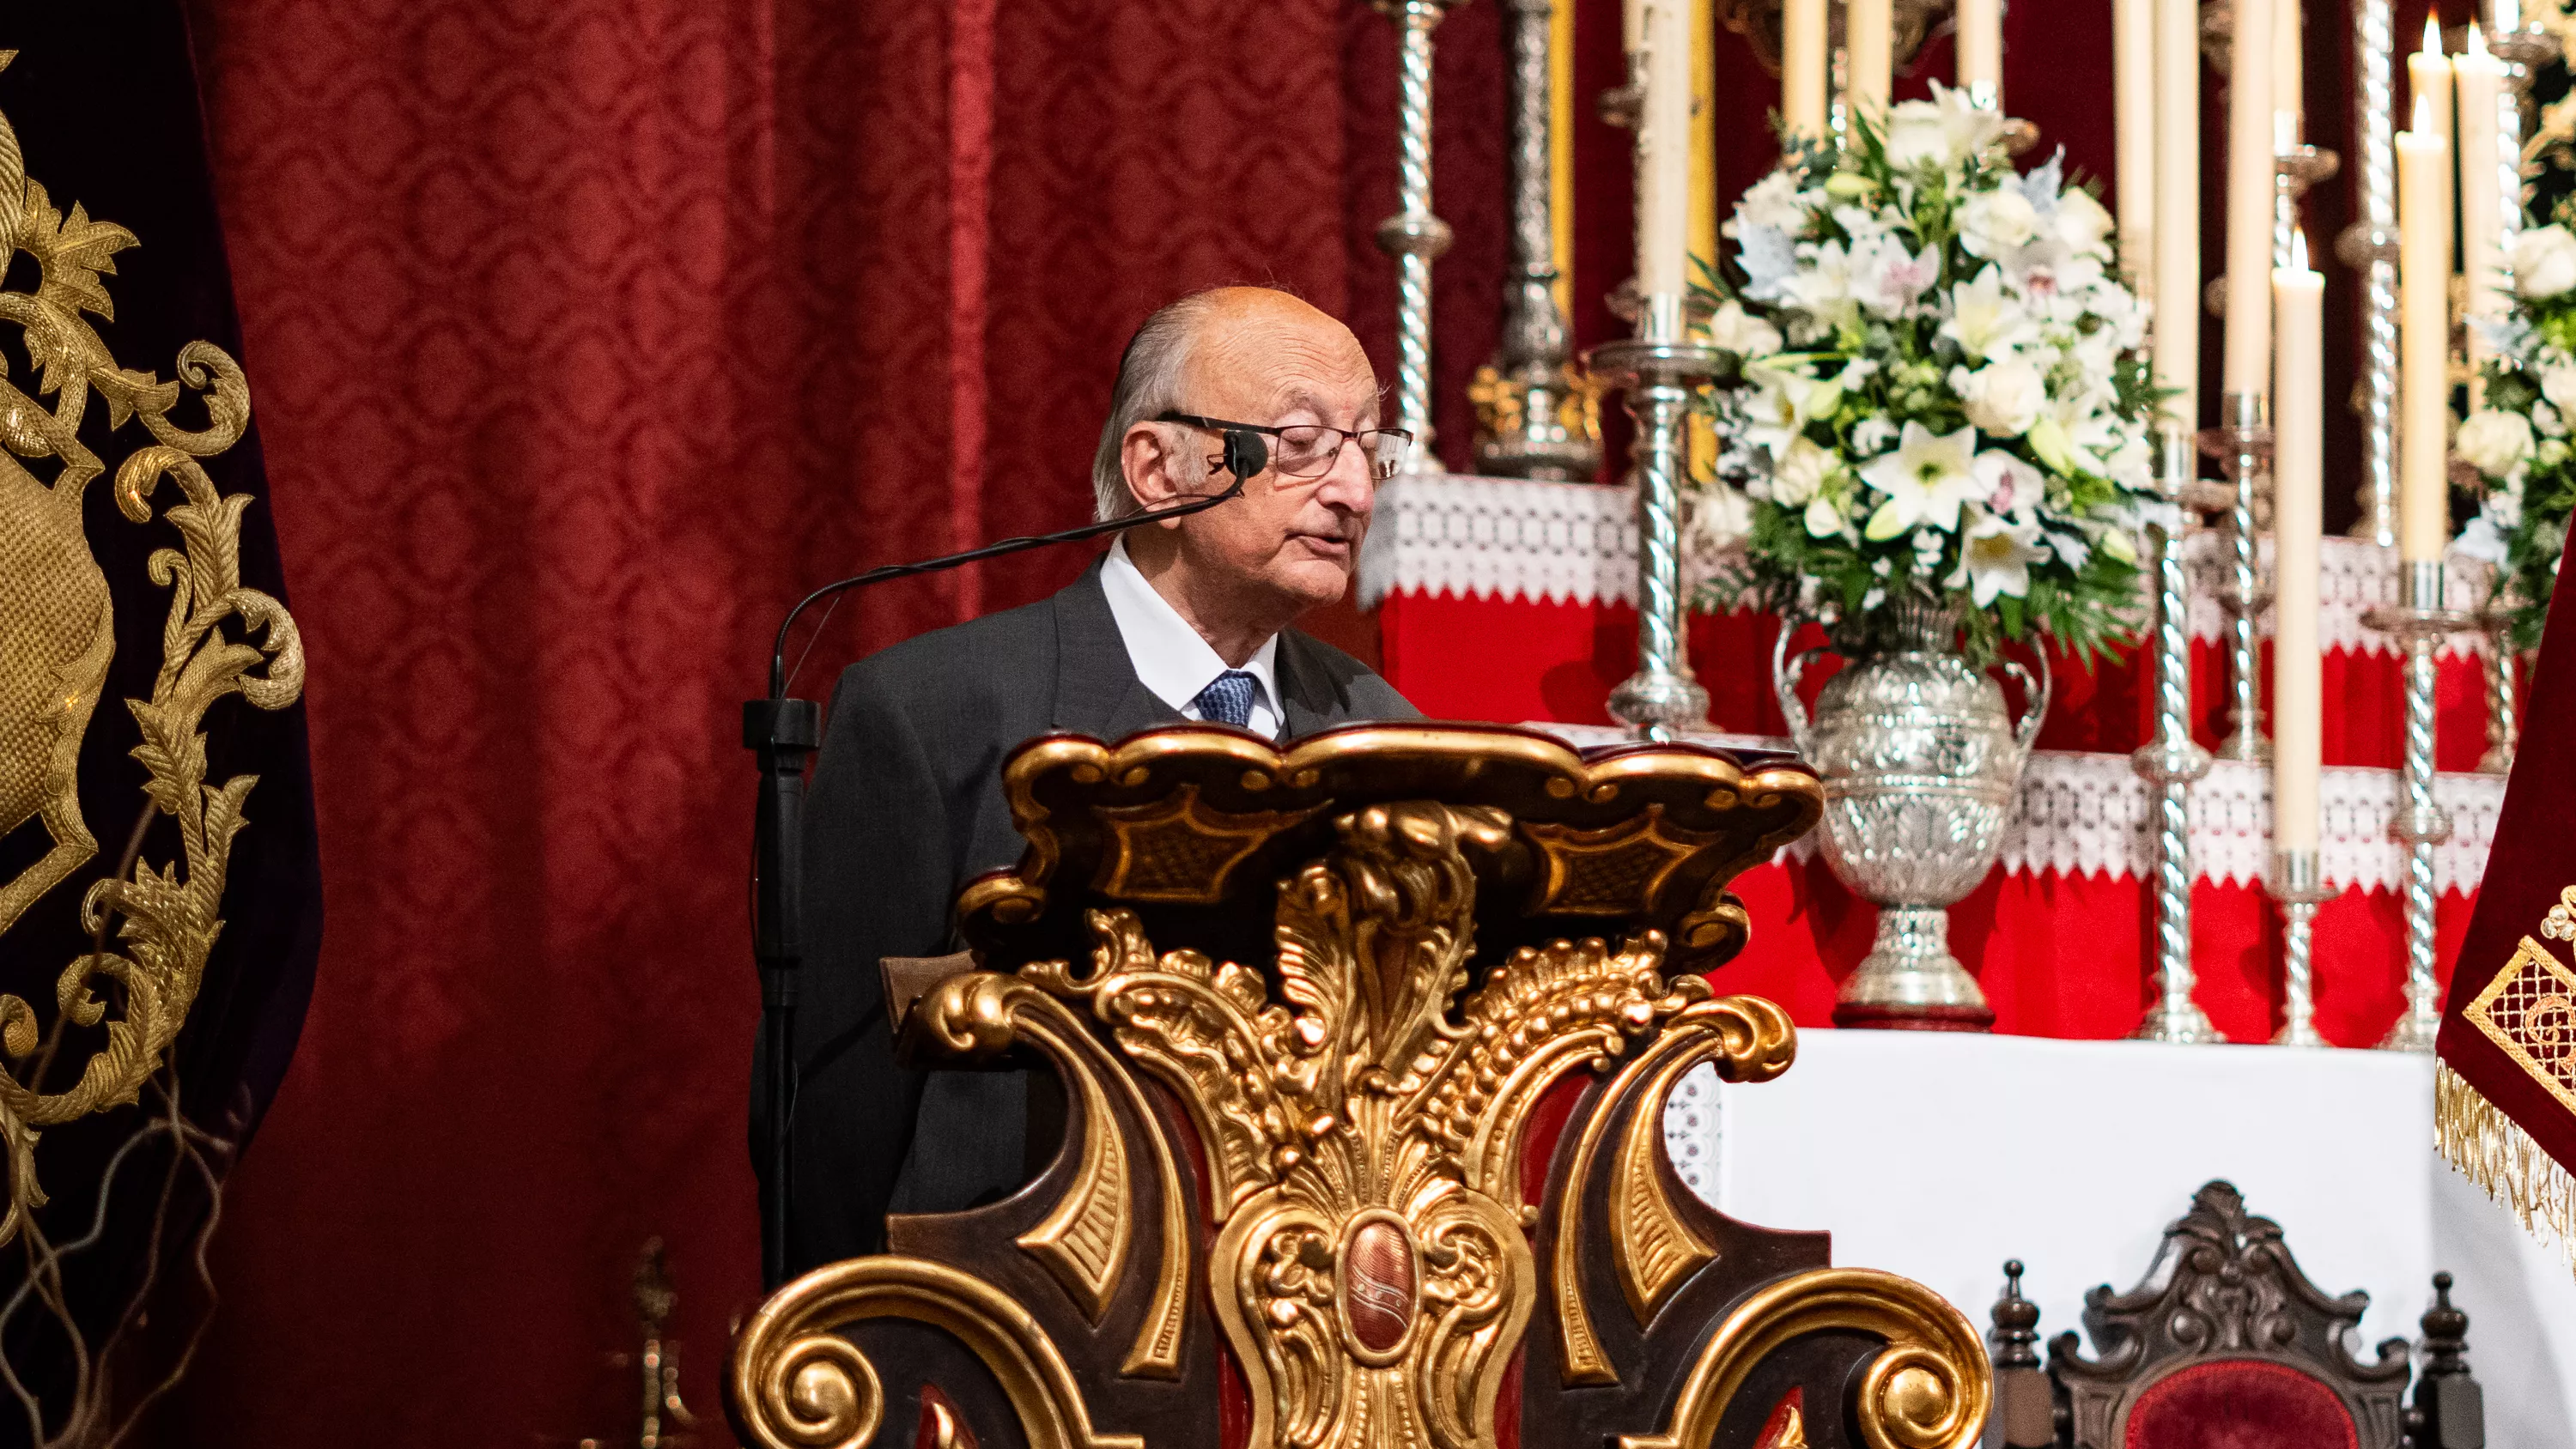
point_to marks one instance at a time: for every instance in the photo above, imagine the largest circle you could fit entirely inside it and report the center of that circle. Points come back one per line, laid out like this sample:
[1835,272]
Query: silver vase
[1920,760]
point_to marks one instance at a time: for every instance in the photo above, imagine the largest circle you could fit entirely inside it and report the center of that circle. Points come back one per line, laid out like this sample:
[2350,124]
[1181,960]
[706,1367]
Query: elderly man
[1182,619]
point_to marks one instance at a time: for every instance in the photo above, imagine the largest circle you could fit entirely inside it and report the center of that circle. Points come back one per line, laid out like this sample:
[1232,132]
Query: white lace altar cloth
[1576,543]
[2090,814]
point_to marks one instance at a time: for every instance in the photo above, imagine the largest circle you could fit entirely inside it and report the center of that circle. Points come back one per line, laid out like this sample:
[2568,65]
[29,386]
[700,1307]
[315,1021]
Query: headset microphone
[1245,455]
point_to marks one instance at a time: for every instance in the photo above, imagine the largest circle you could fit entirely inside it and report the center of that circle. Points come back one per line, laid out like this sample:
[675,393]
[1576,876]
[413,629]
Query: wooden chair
[2226,1343]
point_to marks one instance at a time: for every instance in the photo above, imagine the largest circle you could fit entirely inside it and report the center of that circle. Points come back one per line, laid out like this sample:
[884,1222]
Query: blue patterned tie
[1227,699]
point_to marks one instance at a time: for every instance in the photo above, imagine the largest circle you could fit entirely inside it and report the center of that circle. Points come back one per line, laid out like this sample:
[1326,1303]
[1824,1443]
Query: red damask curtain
[585,334]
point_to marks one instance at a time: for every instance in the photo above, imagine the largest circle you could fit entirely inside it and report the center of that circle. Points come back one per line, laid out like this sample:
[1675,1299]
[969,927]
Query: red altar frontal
[1509,600]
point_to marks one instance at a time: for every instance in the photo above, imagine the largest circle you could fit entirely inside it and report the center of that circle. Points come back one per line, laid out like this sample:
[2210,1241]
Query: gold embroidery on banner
[56,644]
[2529,1012]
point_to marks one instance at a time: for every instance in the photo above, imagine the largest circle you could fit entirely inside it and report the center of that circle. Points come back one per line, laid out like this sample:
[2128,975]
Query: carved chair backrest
[2225,1334]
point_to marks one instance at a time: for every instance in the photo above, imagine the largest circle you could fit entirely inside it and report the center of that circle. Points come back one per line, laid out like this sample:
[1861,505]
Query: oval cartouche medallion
[1381,1279]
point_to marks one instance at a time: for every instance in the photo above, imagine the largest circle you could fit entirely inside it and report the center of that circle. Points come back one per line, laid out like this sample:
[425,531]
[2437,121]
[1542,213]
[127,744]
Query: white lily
[2010,486]
[1995,558]
[1924,480]
[1984,319]
[1887,279]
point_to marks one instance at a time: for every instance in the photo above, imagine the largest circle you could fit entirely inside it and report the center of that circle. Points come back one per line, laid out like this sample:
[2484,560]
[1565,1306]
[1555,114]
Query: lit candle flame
[2299,250]
[2422,125]
[2433,33]
[2477,41]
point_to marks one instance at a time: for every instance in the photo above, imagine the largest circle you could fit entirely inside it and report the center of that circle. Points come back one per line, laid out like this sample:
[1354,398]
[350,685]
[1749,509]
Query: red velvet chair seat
[2239,1403]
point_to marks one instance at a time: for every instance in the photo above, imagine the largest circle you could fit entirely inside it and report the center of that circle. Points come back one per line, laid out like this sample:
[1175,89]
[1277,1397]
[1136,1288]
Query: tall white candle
[1663,162]
[2423,339]
[1803,67]
[2298,522]
[2289,73]
[2133,109]
[2250,173]
[2428,92]
[1869,38]
[2176,291]
[1981,48]
[2480,78]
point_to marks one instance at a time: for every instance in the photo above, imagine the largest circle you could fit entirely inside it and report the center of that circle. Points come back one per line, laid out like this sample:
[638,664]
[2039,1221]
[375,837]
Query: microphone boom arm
[783,734]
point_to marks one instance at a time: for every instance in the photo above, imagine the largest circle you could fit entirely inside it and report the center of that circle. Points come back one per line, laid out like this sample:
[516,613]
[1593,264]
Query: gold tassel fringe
[2497,1155]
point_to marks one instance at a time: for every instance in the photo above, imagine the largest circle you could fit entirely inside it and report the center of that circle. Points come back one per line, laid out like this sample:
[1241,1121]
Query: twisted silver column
[2370,245]
[2419,621]
[2298,887]
[2172,760]
[2242,443]
[1413,236]
[1533,419]
[1658,377]
[2504,691]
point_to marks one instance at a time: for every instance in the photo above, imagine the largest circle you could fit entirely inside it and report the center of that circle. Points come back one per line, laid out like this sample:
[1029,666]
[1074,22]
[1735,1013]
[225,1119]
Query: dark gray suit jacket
[906,807]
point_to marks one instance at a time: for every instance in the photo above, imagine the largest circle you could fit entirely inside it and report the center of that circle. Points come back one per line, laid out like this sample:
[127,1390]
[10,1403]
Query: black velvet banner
[102,97]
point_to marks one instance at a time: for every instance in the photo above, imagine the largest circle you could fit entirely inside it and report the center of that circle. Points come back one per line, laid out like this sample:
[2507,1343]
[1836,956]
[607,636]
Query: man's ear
[1145,456]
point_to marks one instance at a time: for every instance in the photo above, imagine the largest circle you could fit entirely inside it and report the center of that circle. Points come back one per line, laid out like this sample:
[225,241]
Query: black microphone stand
[783,734]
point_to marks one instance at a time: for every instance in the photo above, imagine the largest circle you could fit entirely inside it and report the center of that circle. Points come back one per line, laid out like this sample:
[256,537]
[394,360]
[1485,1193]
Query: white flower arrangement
[2520,439]
[1938,390]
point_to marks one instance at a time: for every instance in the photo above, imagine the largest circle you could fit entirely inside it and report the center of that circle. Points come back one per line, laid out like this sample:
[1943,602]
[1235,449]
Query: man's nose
[1349,484]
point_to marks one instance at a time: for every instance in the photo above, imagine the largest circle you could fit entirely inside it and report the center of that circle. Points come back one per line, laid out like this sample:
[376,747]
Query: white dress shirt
[1170,657]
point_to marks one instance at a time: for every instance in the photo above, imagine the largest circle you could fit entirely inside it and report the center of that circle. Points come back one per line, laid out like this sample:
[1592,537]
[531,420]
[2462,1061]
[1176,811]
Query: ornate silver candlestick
[2369,245]
[2296,168]
[1658,376]
[1535,415]
[2419,622]
[2242,444]
[2298,888]
[2171,761]
[2504,691]
[1413,236]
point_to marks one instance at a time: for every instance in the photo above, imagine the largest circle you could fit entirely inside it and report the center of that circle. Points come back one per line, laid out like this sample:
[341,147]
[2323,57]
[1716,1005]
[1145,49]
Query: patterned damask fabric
[585,334]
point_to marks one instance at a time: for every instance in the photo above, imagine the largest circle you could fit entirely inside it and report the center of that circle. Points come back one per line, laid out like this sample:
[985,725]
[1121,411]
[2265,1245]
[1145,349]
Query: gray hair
[1149,385]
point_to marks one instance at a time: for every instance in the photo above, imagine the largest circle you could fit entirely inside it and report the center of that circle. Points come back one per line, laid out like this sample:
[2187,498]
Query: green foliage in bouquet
[1939,390]
[2519,440]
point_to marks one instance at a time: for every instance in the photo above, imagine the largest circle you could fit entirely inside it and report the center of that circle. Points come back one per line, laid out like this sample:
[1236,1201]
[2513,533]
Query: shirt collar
[1171,658]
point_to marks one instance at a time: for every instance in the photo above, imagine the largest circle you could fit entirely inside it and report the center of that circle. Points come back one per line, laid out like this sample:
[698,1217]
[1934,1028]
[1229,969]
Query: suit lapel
[1097,692]
[1306,703]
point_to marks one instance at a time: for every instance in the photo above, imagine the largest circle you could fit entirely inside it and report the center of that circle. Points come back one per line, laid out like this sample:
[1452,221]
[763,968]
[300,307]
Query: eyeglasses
[1307,450]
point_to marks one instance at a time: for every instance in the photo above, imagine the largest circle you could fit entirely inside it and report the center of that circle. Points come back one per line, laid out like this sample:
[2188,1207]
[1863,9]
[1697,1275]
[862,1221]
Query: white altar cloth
[1939,1156]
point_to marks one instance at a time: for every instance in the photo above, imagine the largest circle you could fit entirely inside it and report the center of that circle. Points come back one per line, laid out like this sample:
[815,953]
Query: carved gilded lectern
[1365,1047]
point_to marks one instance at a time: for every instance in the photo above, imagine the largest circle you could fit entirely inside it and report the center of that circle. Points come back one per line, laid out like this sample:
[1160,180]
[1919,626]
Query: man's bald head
[1221,341]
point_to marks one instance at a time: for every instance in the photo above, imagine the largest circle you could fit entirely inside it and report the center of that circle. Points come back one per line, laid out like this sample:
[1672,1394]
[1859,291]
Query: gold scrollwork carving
[1084,1241]
[1652,1247]
[1371,1265]
[795,1379]
[1928,1389]
[56,643]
